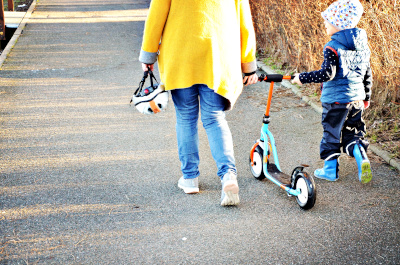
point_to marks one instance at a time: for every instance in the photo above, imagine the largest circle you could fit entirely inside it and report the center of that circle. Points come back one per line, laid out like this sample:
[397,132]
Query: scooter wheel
[257,166]
[306,198]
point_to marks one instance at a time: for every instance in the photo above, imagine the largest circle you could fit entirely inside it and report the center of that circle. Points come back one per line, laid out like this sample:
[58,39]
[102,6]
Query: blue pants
[187,103]
[343,127]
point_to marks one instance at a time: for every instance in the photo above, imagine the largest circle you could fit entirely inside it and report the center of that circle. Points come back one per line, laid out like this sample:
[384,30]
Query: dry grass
[293,35]
[19,5]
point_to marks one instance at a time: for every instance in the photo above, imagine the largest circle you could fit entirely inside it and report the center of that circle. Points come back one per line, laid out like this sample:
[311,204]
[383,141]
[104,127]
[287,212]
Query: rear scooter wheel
[257,166]
[306,198]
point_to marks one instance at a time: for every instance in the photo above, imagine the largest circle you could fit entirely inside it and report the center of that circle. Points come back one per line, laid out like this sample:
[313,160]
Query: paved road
[86,179]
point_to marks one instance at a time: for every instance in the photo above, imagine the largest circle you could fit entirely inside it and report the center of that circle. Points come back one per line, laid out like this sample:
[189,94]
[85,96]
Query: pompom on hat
[344,14]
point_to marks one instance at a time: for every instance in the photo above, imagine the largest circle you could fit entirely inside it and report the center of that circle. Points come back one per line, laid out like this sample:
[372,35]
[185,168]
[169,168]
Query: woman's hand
[146,67]
[296,79]
[251,79]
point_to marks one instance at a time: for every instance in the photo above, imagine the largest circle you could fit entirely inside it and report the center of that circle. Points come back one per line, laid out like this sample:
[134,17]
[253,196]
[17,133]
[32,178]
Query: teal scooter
[299,184]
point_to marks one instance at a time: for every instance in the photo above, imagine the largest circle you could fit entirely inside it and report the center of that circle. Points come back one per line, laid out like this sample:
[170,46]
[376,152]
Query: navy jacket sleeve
[327,71]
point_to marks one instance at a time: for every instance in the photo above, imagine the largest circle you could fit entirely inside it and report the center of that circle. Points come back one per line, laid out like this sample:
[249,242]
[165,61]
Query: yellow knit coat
[207,42]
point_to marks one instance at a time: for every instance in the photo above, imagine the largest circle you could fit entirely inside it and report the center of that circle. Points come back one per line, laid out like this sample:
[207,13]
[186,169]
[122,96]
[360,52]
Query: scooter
[299,184]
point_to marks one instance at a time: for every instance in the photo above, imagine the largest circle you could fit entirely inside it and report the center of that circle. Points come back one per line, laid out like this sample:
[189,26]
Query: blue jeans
[187,102]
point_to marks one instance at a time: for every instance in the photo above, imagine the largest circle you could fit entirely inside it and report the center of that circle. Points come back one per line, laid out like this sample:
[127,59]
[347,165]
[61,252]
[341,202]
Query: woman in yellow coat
[202,47]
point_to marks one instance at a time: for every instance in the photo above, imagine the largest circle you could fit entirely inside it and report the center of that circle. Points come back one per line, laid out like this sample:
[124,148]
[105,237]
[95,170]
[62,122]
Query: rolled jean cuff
[148,57]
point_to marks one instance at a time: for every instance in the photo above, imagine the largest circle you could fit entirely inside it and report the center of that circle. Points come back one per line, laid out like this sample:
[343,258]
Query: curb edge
[17,33]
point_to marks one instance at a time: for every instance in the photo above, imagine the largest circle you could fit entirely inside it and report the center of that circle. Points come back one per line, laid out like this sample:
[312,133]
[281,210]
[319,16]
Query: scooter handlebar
[274,77]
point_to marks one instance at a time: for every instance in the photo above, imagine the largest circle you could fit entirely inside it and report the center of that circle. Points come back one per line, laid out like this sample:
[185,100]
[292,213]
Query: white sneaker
[189,186]
[230,190]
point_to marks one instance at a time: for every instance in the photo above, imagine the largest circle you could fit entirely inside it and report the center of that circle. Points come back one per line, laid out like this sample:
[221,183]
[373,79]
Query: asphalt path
[87,179]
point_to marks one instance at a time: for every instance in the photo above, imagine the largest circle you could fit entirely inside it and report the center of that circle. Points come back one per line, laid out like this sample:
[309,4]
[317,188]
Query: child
[346,89]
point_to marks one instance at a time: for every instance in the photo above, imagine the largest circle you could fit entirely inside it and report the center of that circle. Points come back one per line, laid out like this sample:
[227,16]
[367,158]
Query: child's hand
[366,104]
[296,79]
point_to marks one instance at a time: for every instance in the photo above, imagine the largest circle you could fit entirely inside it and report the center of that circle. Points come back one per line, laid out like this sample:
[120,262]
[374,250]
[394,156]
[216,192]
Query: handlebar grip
[274,78]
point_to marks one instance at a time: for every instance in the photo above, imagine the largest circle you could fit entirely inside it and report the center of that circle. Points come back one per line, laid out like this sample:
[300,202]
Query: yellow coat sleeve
[155,22]
[248,38]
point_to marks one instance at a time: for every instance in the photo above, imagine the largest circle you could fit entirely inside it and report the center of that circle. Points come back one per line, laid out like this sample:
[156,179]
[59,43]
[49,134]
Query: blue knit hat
[344,14]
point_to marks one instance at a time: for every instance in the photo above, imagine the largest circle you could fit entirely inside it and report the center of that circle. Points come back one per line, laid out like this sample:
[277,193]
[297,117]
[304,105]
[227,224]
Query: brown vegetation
[293,35]
[19,5]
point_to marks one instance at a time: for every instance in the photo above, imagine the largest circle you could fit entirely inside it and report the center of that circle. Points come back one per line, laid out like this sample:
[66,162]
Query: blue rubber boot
[364,167]
[329,171]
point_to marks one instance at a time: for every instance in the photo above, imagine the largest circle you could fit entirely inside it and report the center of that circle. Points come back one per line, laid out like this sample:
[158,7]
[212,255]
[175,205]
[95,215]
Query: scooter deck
[278,175]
